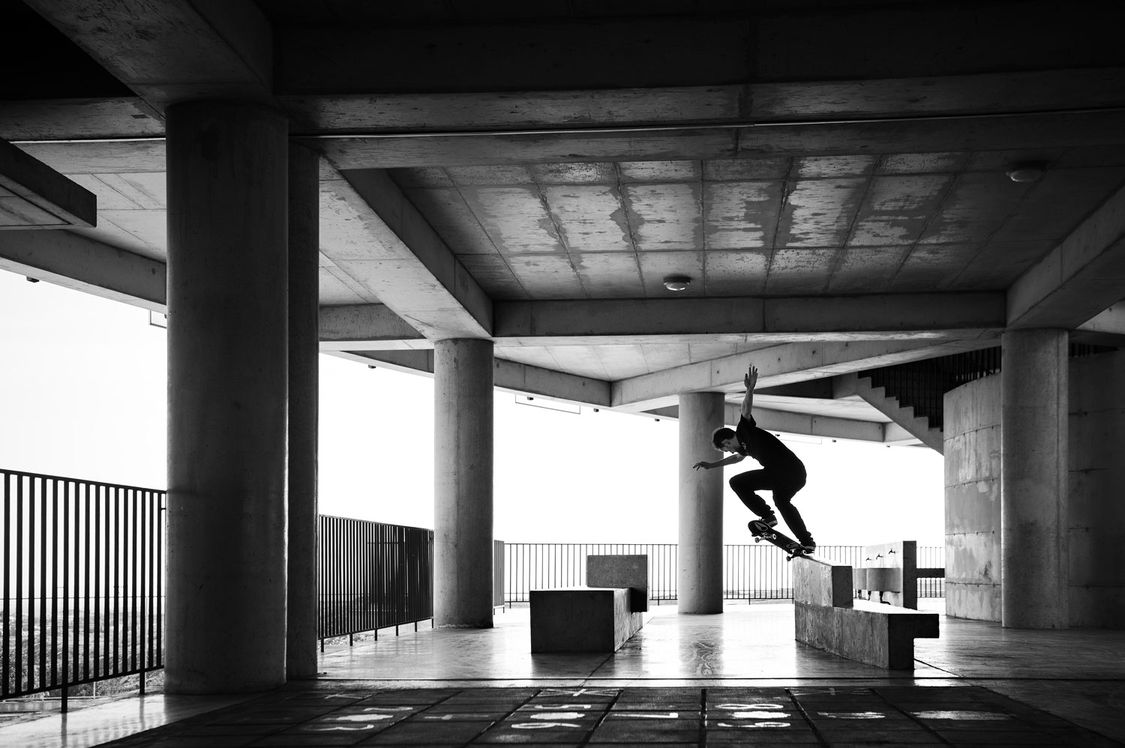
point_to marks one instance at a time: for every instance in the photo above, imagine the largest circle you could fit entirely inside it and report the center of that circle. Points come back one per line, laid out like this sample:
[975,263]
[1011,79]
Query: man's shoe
[809,545]
[771,520]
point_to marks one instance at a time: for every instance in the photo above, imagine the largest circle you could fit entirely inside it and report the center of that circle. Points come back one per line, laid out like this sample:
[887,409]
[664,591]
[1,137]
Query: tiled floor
[889,715]
[724,677]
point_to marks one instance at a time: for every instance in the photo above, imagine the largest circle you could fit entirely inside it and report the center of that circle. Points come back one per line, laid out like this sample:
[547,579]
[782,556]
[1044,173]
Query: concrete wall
[972,500]
[1097,474]
[1096,511]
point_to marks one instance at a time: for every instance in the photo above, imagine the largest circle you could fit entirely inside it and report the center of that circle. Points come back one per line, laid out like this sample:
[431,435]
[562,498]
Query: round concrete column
[304,372]
[1033,383]
[701,505]
[227,373]
[463,483]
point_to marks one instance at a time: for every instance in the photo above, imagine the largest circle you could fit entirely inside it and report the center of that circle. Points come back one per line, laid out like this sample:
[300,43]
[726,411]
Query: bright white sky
[82,394]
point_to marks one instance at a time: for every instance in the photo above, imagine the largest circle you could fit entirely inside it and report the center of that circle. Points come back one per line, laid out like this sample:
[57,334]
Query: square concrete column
[227,397]
[463,483]
[701,505]
[304,381]
[1033,381]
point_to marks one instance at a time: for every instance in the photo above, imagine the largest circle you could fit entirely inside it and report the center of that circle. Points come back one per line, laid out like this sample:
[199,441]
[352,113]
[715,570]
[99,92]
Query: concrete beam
[812,425]
[803,424]
[354,326]
[77,119]
[35,196]
[380,243]
[173,50]
[507,375]
[580,110]
[885,315]
[71,260]
[1106,328]
[1110,321]
[700,142]
[781,364]
[1078,279]
[821,389]
[109,157]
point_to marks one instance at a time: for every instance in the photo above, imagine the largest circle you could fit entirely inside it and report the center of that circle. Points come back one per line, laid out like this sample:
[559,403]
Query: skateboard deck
[761,531]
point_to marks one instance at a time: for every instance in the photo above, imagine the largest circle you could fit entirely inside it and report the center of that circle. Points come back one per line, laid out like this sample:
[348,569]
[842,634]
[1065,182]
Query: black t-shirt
[764,446]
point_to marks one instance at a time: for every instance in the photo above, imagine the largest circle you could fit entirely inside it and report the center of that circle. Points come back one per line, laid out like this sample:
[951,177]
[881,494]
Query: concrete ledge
[581,619]
[817,582]
[621,570]
[879,635]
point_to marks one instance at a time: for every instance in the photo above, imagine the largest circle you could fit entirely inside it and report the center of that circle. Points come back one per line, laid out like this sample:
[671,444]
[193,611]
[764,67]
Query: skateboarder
[782,471]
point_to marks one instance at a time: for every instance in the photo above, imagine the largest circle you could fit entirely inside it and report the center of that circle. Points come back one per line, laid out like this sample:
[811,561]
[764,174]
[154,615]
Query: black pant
[785,482]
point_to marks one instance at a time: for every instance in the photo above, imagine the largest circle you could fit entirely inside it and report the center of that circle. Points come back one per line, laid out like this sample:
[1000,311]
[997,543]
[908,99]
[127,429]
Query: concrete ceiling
[833,177]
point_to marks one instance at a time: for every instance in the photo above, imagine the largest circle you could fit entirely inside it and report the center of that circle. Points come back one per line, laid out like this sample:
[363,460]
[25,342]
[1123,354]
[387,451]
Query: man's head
[724,440]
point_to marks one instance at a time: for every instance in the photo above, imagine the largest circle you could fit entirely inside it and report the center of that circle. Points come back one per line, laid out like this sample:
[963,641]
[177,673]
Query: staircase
[913,395]
[918,425]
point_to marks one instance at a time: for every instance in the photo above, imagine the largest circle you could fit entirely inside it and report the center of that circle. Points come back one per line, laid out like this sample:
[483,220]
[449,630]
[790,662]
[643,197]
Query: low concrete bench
[599,617]
[826,617]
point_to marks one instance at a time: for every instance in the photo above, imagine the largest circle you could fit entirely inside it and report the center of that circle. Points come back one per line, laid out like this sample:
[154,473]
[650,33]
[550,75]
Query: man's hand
[701,465]
[751,378]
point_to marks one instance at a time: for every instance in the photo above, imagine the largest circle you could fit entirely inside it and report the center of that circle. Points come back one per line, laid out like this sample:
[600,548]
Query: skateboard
[761,531]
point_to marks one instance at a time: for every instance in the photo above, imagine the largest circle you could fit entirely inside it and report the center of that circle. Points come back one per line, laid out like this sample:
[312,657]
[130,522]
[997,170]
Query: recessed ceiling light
[677,282]
[1029,171]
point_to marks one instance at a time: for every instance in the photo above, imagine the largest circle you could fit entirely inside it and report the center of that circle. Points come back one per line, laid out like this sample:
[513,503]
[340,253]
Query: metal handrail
[83,582]
[750,572]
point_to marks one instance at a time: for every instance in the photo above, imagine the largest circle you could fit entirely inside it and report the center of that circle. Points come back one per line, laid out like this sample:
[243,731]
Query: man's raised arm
[748,399]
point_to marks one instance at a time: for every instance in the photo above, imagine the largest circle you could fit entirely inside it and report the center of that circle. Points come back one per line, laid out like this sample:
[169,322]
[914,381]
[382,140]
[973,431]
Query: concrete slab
[621,570]
[879,635]
[581,619]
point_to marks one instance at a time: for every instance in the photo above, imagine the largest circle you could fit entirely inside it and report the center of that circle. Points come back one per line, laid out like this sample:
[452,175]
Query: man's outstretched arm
[748,399]
[730,460]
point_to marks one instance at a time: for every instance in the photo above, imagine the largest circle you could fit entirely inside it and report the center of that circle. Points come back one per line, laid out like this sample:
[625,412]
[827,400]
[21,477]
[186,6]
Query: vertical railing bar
[113,667]
[135,545]
[84,647]
[162,529]
[41,489]
[66,675]
[146,584]
[5,659]
[32,493]
[19,583]
[96,575]
[55,562]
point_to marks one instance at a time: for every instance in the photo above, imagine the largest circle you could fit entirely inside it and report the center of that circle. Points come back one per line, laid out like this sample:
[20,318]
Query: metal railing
[83,578]
[372,576]
[750,572]
[83,582]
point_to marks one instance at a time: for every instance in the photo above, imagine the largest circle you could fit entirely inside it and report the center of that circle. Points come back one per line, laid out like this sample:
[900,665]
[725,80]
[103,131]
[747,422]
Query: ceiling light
[1029,171]
[677,282]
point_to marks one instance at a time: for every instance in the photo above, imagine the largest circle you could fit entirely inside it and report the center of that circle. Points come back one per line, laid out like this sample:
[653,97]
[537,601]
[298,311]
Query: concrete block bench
[826,617]
[599,617]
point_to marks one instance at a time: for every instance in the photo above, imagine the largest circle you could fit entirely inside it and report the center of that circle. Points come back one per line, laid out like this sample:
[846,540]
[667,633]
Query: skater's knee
[783,498]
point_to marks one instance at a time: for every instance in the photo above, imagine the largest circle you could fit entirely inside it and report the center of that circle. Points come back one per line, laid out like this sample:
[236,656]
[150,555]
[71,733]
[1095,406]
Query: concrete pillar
[701,505]
[463,483]
[227,373]
[1033,383]
[304,371]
